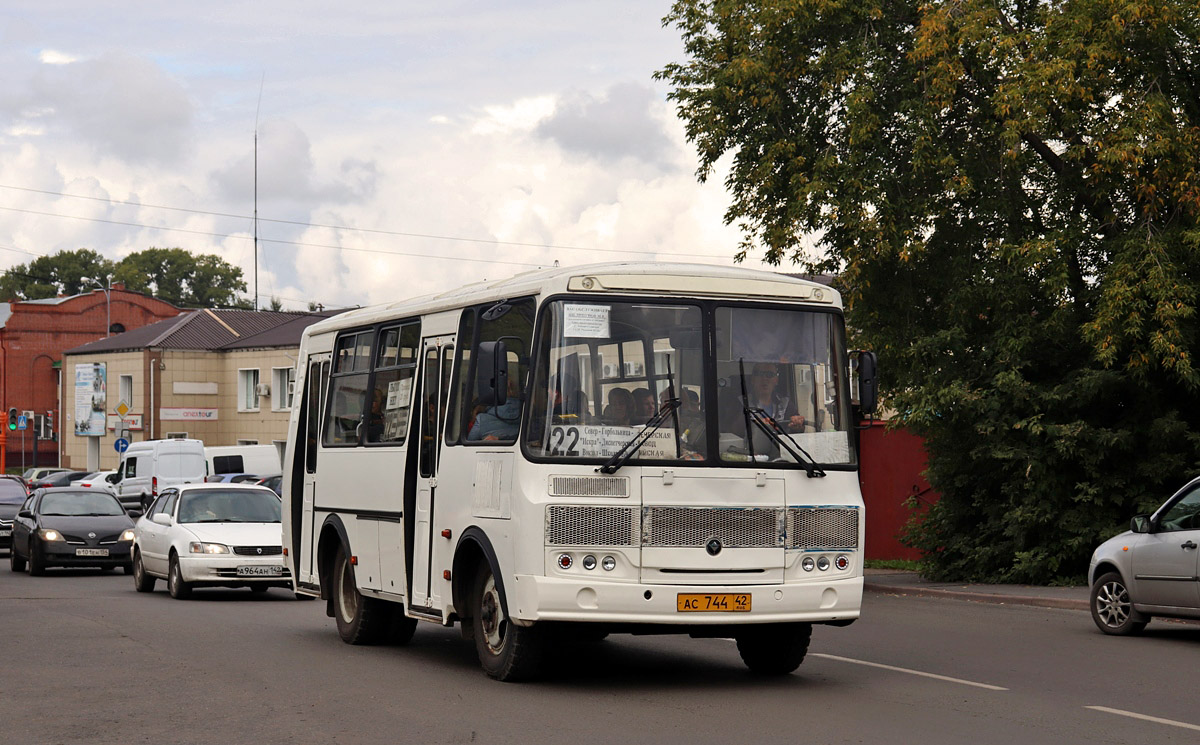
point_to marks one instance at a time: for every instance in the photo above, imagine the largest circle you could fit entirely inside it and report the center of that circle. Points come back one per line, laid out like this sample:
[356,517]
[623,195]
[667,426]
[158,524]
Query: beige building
[222,376]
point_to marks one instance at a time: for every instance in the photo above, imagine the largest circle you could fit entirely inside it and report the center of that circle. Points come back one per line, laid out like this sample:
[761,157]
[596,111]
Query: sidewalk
[896,582]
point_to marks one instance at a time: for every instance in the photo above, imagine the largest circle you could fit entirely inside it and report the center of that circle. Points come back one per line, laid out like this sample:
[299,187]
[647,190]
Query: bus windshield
[603,369]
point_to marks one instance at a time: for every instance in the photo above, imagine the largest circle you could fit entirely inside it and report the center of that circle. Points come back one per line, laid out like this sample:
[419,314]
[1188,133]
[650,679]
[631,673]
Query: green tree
[276,304]
[63,273]
[183,278]
[1009,192]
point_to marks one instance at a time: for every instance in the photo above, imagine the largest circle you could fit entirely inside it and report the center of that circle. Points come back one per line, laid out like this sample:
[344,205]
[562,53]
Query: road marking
[1144,717]
[910,672]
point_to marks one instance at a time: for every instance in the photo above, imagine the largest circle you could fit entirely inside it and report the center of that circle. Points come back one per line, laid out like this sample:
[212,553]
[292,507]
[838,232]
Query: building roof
[212,330]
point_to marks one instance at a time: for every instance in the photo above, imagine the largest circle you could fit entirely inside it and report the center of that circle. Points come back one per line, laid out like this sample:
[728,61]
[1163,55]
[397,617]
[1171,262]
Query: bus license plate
[721,602]
[259,571]
[91,552]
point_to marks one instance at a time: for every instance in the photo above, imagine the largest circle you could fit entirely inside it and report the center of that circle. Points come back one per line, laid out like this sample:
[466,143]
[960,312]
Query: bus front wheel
[506,651]
[776,649]
[360,620]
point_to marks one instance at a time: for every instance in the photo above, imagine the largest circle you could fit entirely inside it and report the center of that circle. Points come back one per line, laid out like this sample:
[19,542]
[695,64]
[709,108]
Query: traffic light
[12,418]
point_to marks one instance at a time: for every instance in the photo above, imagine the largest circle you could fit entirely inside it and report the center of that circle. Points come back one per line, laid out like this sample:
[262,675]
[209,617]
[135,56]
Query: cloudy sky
[403,147]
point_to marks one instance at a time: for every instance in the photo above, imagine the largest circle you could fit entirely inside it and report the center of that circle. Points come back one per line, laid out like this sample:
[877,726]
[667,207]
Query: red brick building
[33,336]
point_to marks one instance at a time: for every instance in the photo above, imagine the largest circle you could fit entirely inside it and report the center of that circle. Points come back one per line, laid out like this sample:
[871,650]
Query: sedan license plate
[719,602]
[91,552]
[5,533]
[259,571]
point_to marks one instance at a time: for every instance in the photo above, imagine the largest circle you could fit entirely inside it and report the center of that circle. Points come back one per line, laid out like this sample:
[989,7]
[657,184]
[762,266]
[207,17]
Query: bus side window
[348,389]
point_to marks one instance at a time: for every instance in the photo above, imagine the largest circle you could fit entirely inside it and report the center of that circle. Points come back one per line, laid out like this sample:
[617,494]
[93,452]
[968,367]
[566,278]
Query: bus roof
[626,278]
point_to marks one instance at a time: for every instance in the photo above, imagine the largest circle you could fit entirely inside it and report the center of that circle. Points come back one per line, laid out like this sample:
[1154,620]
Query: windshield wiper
[774,432]
[628,449]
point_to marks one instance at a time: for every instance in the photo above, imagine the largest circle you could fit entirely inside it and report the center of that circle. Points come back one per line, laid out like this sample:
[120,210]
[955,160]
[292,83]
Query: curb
[978,597]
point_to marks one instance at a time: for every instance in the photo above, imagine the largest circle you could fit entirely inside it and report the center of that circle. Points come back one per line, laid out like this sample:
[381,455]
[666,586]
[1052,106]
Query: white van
[262,460]
[148,467]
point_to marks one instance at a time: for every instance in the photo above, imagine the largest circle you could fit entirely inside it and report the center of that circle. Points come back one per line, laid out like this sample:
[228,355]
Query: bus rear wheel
[506,651]
[776,649]
[360,620]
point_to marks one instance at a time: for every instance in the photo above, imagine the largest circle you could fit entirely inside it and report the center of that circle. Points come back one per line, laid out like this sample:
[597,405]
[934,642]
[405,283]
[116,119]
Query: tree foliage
[172,274]
[1009,191]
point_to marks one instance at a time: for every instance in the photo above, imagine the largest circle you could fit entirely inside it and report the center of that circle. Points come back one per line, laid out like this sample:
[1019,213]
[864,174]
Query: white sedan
[214,535]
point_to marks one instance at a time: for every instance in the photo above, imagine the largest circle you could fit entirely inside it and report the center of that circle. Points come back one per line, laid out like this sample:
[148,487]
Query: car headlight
[126,536]
[48,534]
[197,547]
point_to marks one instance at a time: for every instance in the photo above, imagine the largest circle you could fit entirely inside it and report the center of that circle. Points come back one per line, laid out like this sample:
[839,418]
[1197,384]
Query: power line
[374,231]
[269,240]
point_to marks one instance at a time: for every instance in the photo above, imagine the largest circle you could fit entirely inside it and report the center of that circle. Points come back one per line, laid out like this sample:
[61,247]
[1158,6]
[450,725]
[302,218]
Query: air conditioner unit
[262,389]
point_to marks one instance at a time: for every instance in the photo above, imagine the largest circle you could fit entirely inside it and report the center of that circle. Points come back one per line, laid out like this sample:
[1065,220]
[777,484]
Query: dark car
[274,483]
[12,496]
[71,527]
[61,478]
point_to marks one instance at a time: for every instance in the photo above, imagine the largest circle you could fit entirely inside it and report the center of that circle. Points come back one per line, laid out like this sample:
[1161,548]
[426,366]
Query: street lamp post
[107,304]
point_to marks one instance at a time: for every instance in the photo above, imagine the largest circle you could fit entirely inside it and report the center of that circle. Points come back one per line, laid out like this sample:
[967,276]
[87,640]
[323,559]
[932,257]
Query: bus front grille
[822,528]
[676,527]
[572,525]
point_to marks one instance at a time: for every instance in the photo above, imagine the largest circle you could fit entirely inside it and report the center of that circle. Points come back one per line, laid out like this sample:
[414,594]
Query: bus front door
[435,387]
[314,391]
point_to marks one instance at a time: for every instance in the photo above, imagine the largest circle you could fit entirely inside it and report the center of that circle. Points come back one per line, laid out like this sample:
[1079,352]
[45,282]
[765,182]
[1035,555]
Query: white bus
[627,447]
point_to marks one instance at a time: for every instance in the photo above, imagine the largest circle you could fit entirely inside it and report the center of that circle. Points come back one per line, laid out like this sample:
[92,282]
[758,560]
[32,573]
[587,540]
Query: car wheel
[1112,608]
[506,651]
[37,565]
[360,620]
[127,568]
[142,582]
[179,589]
[15,563]
[775,649]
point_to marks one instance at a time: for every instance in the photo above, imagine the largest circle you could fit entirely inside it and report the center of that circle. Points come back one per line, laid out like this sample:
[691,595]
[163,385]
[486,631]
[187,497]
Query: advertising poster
[91,394]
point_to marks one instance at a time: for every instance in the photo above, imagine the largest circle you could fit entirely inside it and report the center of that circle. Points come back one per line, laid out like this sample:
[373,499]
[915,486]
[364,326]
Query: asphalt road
[88,660]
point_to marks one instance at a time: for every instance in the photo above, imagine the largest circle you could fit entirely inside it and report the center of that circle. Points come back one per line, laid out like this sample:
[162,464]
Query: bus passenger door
[435,387]
[314,392]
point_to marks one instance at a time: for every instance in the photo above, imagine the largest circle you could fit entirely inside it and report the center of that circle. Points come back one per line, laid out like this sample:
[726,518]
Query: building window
[176,436]
[281,387]
[248,390]
[247,442]
[125,390]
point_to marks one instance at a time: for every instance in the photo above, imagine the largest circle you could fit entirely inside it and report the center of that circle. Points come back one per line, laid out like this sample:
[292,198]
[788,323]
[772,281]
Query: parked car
[12,495]
[1149,570]
[58,478]
[274,483]
[233,478]
[211,535]
[70,527]
[96,480]
[33,474]
[148,467]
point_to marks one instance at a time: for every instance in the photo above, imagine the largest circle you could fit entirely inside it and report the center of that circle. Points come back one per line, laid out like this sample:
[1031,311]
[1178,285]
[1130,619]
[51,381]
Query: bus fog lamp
[565,561]
[808,564]
[589,562]
[823,563]
[609,563]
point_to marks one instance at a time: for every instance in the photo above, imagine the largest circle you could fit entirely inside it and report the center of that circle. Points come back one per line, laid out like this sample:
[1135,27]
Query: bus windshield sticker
[600,441]
[398,393]
[586,321]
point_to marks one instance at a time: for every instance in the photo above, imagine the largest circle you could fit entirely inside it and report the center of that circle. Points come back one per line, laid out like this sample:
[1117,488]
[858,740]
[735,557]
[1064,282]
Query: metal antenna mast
[256,110]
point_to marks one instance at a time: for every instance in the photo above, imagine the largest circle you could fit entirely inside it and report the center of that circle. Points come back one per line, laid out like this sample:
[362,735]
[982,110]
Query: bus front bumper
[534,598]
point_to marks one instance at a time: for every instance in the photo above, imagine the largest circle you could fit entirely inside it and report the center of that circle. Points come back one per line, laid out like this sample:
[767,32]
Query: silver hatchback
[1150,570]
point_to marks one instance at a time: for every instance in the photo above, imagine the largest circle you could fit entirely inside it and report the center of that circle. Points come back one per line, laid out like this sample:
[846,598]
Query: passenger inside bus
[499,422]
[619,412]
[644,406]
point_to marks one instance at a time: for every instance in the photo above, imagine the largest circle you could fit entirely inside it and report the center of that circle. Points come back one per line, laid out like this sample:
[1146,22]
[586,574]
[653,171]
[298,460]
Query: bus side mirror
[491,373]
[868,384]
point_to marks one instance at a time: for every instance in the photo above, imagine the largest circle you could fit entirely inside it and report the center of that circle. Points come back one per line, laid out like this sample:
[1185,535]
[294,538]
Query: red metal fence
[891,466]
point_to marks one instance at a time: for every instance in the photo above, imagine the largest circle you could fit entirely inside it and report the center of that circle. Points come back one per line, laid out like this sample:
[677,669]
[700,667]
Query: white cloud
[53,57]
